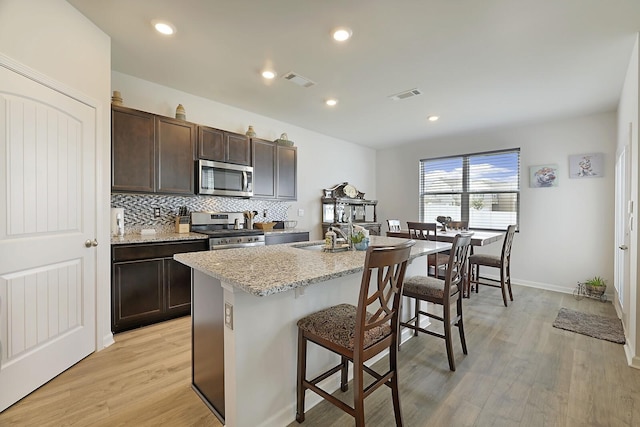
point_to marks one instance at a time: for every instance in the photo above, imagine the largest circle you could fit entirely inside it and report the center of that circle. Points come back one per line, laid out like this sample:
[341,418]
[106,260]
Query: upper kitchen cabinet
[274,170]
[132,150]
[221,146]
[175,142]
[151,153]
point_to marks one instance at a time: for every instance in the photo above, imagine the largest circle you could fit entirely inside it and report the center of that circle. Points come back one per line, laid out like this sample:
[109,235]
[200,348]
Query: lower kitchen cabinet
[277,238]
[148,285]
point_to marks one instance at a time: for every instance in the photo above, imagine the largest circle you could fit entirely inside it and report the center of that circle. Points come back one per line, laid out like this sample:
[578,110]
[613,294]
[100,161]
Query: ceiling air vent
[298,79]
[406,94]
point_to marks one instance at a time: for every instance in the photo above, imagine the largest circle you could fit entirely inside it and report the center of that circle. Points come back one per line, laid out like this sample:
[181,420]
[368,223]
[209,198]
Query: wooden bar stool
[502,262]
[393,224]
[428,231]
[359,333]
[444,293]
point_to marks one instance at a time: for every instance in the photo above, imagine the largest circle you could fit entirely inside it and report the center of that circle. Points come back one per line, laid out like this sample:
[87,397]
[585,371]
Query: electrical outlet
[300,212]
[264,213]
[228,315]
[156,212]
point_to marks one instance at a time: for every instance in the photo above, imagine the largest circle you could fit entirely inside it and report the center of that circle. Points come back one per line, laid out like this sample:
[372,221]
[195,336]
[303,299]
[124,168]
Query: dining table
[478,238]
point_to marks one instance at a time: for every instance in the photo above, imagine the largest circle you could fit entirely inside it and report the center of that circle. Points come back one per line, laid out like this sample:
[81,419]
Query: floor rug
[601,327]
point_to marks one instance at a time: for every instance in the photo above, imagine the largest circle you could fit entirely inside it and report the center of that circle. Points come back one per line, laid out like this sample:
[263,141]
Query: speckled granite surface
[158,237]
[267,270]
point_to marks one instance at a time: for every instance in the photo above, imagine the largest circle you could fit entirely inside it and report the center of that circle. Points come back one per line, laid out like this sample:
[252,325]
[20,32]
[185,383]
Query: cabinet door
[275,239]
[175,141]
[178,290]
[132,150]
[137,293]
[238,149]
[211,144]
[286,167]
[264,168]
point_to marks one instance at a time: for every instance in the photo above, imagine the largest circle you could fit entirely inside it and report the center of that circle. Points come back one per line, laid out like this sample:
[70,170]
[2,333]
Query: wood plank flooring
[520,371]
[144,379]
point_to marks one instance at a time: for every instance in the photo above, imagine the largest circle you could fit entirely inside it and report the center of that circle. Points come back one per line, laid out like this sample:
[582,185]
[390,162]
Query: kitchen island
[259,293]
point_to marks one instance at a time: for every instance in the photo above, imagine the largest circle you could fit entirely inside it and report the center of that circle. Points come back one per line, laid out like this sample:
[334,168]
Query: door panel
[624,217]
[47,213]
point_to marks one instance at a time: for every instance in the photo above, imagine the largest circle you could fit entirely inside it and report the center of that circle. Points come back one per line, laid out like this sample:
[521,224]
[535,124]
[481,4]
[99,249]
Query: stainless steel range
[225,230]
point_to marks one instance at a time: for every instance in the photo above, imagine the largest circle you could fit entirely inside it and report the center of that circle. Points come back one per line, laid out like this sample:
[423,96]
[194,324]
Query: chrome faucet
[336,227]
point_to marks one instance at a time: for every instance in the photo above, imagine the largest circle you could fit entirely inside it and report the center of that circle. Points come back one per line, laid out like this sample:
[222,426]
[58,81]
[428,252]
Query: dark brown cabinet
[175,142]
[132,150]
[150,153]
[277,238]
[148,285]
[274,170]
[221,146]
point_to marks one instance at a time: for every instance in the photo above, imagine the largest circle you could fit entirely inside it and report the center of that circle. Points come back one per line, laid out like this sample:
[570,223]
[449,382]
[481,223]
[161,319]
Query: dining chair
[442,292]
[394,224]
[502,262]
[359,333]
[428,231]
[458,225]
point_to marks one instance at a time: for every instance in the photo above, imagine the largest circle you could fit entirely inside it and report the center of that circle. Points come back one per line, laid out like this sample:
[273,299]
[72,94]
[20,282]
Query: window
[482,188]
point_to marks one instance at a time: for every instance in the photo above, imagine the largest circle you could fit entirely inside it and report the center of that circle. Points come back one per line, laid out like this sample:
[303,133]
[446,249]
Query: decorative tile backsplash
[139,209]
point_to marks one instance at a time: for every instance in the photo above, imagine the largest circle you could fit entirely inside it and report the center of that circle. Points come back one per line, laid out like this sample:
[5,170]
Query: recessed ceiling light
[342,34]
[164,27]
[331,102]
[268,74]
[433,118]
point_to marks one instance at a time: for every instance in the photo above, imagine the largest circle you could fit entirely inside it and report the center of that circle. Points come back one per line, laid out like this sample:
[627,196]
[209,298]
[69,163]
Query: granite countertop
[157,237]
[267,270]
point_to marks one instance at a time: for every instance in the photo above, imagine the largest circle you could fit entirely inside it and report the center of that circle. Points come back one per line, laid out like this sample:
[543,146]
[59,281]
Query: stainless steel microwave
[224,179]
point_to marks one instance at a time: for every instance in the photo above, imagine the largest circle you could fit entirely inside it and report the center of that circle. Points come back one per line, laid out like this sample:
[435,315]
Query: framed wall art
[586,165]
[543,176]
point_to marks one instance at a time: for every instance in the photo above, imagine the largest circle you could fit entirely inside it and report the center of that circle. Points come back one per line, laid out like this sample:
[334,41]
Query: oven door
[224,179]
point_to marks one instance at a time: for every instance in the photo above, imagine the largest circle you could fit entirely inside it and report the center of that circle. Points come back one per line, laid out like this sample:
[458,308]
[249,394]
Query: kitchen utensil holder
[182,224]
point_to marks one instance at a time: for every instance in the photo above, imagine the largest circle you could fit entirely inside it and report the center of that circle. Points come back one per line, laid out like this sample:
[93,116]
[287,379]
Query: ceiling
[477,64]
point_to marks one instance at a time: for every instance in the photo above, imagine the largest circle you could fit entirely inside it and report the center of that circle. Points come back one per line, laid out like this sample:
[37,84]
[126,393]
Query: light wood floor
[520,371]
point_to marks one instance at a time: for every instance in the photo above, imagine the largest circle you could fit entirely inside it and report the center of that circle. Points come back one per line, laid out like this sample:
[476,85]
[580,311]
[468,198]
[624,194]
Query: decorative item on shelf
[250,132]
[284,140]
[343,190]
[181,114]
[116,99]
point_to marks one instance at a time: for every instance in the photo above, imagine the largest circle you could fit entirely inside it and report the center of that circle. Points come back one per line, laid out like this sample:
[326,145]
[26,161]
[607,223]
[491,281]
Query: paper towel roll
[114,220]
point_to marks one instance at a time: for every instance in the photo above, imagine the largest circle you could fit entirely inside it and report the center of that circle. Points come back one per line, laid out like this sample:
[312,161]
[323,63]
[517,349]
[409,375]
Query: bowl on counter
[265,226]
[289,224]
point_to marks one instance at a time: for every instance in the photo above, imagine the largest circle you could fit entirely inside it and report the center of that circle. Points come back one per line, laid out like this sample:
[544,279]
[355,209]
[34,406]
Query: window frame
[465,194]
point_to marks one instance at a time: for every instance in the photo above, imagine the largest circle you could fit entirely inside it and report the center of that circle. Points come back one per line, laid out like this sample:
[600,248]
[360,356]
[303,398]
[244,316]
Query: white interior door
[624,216]
[47,213]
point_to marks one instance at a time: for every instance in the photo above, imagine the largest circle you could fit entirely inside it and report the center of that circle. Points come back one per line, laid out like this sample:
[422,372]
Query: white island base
[260,352]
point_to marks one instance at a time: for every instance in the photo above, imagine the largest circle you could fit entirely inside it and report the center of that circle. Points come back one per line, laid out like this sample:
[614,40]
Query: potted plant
[596,286]
[359,241]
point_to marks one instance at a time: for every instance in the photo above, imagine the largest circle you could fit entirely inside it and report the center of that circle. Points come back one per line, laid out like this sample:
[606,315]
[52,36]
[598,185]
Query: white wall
[322,161]
[628,113]
[566,232]
[53,38]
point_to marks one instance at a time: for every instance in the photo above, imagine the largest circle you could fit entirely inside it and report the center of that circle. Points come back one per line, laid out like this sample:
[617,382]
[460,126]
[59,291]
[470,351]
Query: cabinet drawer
[155,250]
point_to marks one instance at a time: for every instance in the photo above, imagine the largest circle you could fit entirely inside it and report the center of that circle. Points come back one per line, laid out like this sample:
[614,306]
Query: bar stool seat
[442,292]
[358,333]
[337,324]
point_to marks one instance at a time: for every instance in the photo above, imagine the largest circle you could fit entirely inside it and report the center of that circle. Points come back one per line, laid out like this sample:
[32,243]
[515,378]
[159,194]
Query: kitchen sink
[311,247]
